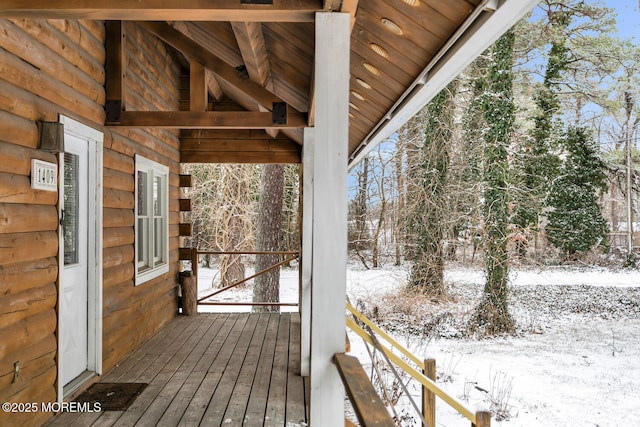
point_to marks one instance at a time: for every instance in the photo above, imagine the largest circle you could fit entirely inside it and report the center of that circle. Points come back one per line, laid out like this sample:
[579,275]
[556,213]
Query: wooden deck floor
[212,370]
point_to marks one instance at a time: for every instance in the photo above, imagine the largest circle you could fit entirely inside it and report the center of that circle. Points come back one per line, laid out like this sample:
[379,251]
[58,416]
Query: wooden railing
[424,373]
[367,405]
[195,254]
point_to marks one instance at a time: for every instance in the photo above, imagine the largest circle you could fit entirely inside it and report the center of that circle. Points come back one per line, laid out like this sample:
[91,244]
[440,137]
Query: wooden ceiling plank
[206,120]
[415,39]
[216,37]
[163,10]
[223,71]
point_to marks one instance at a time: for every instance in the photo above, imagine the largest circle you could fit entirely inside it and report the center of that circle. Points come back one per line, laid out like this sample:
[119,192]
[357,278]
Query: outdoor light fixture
[379,50]
[370,68]
[363,84]
[391,26]
[51,137]
[357,95]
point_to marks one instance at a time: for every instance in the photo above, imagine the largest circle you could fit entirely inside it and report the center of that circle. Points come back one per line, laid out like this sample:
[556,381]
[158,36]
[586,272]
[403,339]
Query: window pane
[143,244]
[158,238]
[152,207]
[142,193]
[71,204]
[157,195]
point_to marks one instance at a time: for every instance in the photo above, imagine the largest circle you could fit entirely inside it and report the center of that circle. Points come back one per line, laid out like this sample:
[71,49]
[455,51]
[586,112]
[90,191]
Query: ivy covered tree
[429,220]
[536,161]
[575,221]
[496,103]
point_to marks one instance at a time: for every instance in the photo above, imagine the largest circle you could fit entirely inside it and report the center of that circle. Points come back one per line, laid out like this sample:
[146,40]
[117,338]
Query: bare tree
[267,285]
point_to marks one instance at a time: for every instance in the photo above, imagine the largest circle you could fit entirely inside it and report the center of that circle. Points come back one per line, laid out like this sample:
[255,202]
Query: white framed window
[152,219]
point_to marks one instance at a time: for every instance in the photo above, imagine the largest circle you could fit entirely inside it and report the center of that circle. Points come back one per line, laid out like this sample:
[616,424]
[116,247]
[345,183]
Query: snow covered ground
[574,361]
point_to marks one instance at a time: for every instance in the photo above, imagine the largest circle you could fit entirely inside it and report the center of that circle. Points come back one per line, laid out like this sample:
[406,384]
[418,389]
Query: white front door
[74,281]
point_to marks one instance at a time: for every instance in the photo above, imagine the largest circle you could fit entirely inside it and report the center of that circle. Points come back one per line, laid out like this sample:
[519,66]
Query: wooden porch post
[329,230]
[306,251]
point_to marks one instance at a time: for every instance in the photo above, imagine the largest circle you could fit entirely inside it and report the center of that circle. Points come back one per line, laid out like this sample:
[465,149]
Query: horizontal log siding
[47,68]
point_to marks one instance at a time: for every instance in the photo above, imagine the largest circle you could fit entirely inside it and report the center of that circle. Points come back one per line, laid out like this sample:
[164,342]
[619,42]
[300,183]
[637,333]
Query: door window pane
[71,204]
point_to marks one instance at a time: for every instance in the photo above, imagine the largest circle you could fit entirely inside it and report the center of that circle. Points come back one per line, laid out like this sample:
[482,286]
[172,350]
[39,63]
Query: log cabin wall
[56,67]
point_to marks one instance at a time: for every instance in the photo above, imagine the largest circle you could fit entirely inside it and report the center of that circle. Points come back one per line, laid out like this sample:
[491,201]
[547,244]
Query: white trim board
[95,139]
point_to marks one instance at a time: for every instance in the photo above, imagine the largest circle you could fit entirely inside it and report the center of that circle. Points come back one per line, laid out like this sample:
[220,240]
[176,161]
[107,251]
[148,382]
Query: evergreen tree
[575,220]
[536,161]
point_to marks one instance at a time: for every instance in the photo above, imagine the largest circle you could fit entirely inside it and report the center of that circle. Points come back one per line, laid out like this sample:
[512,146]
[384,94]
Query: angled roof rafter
[198,118]
[223,71]
[253,49]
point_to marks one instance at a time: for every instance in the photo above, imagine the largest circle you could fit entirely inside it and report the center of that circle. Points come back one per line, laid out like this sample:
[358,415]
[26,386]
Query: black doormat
[112,396]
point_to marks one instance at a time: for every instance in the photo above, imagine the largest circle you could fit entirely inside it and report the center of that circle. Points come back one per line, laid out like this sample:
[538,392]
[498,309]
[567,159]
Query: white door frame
[94,259]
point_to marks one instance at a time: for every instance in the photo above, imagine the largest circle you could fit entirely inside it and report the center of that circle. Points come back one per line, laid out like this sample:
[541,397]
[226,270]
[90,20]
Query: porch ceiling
[402,53]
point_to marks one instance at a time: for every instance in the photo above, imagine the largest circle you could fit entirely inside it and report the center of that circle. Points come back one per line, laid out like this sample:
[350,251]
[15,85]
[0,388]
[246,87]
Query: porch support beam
[329,247]
[306,258]
[206,120]
[114,69]
[197,87]
[223,71]
[163,10]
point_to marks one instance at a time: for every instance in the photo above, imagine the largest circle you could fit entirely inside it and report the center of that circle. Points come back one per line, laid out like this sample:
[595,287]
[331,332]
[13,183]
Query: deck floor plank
[220,399]
[223,369]
[178,406]
[169,332]
[160,404]
[296,409]
[200,401]
[107,419]
[239,398]
[276,401]
[161,371]
[255,413]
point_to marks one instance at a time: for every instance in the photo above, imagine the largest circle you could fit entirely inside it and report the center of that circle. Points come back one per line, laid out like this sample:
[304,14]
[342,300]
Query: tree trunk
[398,231]
[497,104]
[427,274]
[236,188]
[267,286]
